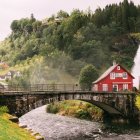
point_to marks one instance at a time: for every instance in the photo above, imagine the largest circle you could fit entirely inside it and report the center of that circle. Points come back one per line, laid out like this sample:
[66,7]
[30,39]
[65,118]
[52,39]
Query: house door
[115,87]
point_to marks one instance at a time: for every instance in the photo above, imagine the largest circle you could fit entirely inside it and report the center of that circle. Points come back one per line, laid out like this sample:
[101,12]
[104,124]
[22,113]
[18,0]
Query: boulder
[22,126]
[14,119]
[34,133]
[39,138]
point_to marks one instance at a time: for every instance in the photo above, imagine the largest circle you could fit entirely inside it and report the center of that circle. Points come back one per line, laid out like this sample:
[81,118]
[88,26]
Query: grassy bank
[75,108]
[11,131]
[137,102]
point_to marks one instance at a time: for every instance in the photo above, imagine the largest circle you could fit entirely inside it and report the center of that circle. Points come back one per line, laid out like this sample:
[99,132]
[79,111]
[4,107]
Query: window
[115,87]
[105,87]
[112,75]
[125,75]
[125,86]
[118,75]
[118,68]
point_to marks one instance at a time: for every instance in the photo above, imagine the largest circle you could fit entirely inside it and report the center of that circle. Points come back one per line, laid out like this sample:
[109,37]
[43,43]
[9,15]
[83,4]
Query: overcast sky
[17,9]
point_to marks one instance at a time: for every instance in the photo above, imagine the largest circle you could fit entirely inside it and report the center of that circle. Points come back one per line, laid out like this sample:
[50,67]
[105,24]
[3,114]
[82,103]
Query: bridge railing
[49,87]
[41,87]
[54,87]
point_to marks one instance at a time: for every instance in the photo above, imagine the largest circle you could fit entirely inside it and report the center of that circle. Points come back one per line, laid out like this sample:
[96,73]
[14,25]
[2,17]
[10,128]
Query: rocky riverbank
[53,126]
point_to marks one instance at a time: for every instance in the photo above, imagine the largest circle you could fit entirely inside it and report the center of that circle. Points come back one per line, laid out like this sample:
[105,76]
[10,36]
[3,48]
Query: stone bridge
[22,100]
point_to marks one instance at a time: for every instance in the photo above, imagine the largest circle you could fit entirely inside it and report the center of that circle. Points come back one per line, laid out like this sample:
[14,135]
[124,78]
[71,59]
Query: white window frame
[125,86]
[125,73]
[105,87]
[112,75]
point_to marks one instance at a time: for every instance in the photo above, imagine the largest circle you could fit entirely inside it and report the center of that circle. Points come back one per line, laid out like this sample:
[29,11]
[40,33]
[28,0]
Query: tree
[28,28]
[14,26]
[88,74]
[62,14]
[32,18]
[125,15]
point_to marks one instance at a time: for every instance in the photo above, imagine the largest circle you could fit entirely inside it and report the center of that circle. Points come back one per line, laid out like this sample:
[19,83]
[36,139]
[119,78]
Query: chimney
[114,62]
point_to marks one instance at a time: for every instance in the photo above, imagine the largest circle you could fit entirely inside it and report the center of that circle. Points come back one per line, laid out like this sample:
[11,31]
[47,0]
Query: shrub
[51,108]
[4,109]
[138,101]
[74,108]
[83,114]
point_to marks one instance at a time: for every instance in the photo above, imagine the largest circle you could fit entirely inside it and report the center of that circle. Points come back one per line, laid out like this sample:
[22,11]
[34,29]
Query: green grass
[11,131]
[135,35]
[138,101]
[76,108]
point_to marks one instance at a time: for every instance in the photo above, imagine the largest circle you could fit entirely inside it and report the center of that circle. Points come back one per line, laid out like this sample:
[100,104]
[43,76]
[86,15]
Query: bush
[78,109]
[52,109]
[4,109]
[83,114]
[138,101]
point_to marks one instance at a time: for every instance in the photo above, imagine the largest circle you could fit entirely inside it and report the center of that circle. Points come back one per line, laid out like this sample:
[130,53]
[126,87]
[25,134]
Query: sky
[16,9]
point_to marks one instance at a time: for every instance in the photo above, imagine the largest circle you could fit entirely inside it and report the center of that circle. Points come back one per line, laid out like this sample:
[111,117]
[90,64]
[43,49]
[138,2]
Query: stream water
[56,127]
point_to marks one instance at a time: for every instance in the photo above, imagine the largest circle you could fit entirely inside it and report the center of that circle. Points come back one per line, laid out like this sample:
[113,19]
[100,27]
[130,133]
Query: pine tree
[125,15]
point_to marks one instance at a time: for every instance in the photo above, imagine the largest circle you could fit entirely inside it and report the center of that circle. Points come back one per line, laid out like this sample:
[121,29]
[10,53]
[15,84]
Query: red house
[116,78]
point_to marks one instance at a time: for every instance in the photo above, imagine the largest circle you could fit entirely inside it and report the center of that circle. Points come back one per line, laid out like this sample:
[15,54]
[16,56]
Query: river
[56,127]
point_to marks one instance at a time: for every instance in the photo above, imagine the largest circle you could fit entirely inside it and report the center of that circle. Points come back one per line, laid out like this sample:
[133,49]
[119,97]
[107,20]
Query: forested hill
[70,41]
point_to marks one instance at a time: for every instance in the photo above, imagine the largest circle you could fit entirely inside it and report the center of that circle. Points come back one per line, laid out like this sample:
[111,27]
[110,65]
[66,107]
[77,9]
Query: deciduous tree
[88,74]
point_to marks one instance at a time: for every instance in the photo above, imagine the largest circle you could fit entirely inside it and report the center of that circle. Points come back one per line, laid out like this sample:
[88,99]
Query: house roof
[108,71]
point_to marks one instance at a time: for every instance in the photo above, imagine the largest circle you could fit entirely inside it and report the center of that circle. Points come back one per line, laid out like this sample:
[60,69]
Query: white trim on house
[105,87]
[125,86]
[112,75]
[121,82]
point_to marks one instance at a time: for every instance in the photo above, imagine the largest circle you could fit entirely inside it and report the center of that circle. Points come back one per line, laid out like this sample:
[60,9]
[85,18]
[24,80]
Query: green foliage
[88,74]
[51,108]
[14,25]
[70,41]
[11,131]
[83,114]
[62,14]
[75,108]
[3,109]
[138,101]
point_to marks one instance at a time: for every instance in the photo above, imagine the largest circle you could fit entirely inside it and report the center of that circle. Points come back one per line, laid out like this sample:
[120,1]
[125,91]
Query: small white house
[9,75]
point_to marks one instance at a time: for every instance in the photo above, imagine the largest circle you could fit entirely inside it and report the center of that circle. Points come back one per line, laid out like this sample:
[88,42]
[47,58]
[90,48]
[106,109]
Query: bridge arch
[105,107]
[113,107]
[113,103]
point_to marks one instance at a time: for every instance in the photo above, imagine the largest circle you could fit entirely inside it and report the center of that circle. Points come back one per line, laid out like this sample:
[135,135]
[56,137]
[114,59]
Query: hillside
[65,43]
